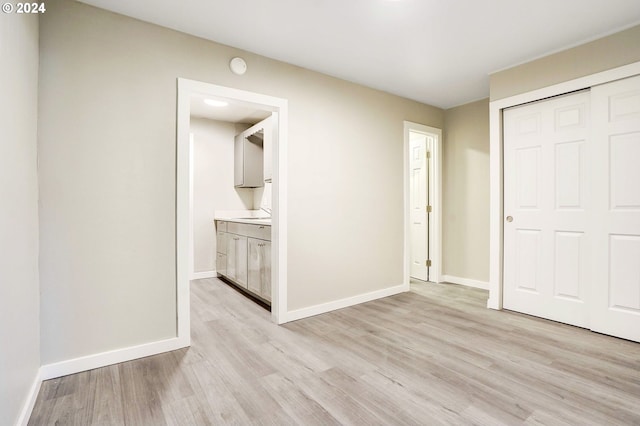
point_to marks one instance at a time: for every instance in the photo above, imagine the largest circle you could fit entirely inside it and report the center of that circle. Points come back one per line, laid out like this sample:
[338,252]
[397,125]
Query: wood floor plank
[432,356]
[141,402]
[108,405]
[300,407]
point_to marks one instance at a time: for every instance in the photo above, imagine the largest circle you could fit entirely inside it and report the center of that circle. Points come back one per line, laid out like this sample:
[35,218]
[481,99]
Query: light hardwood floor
[433,356]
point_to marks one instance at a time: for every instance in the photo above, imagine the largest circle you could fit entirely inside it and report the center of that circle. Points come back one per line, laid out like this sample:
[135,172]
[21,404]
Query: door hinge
[428,262]
[429,209]
[428,154]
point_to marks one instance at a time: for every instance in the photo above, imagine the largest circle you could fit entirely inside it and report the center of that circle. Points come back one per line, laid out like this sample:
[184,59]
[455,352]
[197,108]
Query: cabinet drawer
[221,242]
[262,232]
[221,225]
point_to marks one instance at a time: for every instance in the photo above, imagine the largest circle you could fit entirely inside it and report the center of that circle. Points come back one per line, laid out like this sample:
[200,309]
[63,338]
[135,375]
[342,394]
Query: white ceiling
[438,52]
[233,113]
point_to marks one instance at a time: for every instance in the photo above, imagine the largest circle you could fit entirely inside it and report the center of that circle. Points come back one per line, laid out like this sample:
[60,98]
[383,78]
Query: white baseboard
[77,365]
[29,403]
[465,281]
[205,274]
[343,303]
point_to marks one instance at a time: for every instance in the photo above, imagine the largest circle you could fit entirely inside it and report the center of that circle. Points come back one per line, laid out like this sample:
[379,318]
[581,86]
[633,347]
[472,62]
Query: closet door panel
[615,168]
[546,201]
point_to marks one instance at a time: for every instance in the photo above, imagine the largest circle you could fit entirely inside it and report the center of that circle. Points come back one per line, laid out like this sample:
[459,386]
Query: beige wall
[107,154]
[466,191]
[19,295]
[600,55]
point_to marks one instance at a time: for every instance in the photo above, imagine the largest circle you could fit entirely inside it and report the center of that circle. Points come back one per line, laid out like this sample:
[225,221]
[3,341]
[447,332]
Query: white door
[419,200]
[546,199]
[616,207]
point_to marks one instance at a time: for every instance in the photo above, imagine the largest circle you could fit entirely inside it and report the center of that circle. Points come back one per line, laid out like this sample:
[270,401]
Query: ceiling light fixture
[215,103]
[238,66]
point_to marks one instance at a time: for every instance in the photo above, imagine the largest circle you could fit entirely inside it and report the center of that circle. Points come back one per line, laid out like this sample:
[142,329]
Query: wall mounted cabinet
[248,167]
[270,134]
[252,151]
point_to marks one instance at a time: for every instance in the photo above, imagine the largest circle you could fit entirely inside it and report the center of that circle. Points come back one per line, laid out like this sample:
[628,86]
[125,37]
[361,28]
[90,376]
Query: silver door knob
[509,219]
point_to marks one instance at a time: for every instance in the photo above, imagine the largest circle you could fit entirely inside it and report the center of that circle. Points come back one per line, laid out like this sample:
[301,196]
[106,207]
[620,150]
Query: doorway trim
[496,162]
[435,228]
[184,256]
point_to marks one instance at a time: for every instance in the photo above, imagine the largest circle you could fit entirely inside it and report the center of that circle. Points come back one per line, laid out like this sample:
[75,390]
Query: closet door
[546,202]
[615,167]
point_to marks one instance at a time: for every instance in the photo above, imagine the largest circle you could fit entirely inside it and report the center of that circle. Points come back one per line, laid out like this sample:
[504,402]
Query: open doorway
[214,128]
[276,109]
[422,202]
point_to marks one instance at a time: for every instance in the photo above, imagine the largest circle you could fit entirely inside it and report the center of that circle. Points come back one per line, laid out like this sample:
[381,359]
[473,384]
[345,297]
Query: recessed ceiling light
[215,103]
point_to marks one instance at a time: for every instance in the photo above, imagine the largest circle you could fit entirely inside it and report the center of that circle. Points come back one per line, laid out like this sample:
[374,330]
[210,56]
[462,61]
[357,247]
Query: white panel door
[546,198]
[418,183]
[616,208]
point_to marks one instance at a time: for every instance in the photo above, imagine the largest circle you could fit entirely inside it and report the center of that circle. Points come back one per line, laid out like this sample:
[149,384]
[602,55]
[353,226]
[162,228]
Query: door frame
[496,162]
[184,256]
[435,228]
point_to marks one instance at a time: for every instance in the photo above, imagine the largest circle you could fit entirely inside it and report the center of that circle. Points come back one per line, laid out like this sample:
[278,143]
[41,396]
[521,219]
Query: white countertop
[256,217]
[252,220]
